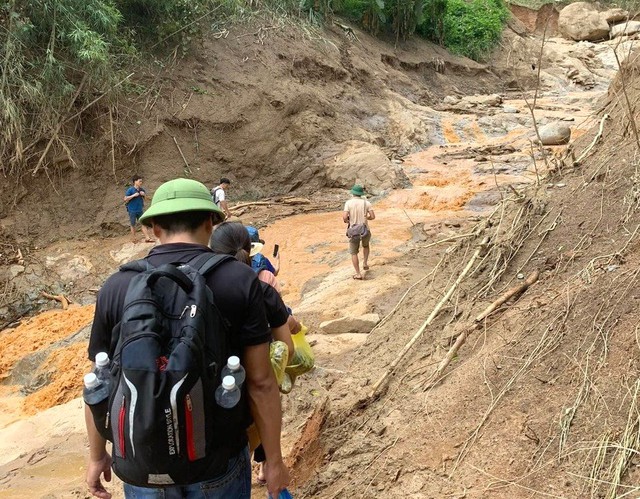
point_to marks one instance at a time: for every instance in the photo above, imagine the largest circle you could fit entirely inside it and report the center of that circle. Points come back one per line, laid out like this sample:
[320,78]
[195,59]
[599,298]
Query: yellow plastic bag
[279,353]
[303,359]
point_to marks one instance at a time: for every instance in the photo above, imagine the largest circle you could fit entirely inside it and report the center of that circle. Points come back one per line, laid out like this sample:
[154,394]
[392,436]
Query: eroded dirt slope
[272,106]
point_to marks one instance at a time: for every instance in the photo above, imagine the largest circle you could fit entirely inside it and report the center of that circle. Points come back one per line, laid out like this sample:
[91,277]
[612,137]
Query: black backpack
[162,417]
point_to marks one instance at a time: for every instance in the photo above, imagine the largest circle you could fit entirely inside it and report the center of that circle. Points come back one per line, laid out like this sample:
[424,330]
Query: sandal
[366,267]
[149,240]
[358,277]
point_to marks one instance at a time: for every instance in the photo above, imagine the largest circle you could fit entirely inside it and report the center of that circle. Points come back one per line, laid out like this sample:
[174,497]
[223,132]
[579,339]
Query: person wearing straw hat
[261,264]
[356,214]
[182,216]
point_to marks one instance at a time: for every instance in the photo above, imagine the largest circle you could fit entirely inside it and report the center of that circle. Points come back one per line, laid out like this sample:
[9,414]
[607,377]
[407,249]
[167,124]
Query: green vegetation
[51,53]
[473,28]
[59,57]
[470,28]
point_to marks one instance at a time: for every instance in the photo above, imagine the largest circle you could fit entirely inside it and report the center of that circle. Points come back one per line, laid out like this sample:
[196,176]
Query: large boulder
[625,29]
[581,21]
[362,163]
[554,134]
[615,15]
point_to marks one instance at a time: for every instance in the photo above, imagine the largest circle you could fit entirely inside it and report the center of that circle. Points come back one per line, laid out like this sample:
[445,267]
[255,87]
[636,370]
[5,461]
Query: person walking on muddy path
[356,214]
[219,196]
[134,201]
[168,322]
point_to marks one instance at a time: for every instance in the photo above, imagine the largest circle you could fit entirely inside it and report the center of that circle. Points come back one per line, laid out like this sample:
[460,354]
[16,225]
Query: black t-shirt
[276,310]
[237,293]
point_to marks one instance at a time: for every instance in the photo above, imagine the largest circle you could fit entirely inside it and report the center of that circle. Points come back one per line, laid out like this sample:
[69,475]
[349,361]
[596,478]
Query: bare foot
[358,277]
[365,267]
[261,478]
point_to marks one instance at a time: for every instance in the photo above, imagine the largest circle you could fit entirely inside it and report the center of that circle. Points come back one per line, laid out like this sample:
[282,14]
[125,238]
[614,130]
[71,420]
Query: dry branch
[481,248]
[510,293]
[113,147]
[515,291]
[64,301]
[594,142]
[186,164]
[58,127]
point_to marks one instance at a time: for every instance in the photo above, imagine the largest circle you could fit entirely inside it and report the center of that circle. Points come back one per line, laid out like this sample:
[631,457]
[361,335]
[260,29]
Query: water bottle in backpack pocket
[235,369]
[228,394]
[163,419]
[96,396]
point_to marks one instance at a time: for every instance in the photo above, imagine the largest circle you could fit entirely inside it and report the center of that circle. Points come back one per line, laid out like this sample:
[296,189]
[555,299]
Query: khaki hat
[256,248]
[257,244]
[180,195]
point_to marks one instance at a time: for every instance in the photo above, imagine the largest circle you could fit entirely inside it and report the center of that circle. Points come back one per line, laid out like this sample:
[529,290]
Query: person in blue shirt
[134,201]
[259,262]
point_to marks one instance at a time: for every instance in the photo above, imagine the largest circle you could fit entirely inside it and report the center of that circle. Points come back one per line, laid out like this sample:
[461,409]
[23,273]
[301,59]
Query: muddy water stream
[476,152]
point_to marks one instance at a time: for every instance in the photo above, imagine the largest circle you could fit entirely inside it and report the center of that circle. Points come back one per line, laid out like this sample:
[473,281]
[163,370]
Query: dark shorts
[354,243]
[134,217]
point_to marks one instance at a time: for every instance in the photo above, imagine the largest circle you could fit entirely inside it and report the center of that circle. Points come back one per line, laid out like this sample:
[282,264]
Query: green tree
[49,48]
[370,13]
[406,15]
[473,28]
[432,26]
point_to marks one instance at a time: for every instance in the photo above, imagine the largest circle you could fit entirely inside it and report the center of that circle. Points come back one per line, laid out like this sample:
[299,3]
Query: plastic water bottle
[95,390]
[228,394]
[233,368]
[284,494]
[102,367]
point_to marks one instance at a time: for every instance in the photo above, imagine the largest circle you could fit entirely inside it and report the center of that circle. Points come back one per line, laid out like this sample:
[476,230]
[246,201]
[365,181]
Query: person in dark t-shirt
[182,217]
[233,239]
[134,201]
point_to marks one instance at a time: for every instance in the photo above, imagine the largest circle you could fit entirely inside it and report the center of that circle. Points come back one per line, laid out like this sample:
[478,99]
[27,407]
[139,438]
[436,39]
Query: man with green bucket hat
[356,213]
[182,216]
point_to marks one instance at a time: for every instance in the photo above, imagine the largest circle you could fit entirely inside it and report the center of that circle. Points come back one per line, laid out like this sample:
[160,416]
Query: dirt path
[480,152]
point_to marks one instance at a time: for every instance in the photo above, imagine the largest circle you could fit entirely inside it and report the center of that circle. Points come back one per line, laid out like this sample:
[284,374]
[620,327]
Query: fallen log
[64,301]
[253,203]
[515,291]
[288,201]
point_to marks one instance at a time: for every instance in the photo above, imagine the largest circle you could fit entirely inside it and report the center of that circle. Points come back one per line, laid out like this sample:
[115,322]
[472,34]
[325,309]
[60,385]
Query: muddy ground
[540,401]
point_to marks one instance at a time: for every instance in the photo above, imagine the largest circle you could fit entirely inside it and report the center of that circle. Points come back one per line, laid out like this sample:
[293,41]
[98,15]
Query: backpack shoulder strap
[141,265]
[206,262]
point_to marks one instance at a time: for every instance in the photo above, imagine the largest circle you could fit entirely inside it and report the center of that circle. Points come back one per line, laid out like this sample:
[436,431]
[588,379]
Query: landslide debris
[543,400]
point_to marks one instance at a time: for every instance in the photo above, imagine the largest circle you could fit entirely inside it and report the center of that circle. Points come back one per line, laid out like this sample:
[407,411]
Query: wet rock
[615,15]
[363,163]
[581,21]
[15,270]
[363,324]
[625,29]
[555,134]
[492,100]
[69,268]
